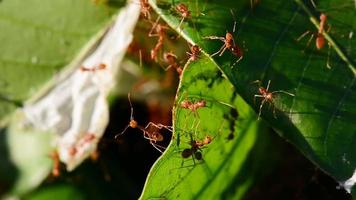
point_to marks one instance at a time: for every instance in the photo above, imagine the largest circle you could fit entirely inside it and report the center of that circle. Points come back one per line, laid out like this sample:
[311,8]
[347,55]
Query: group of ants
[159,30]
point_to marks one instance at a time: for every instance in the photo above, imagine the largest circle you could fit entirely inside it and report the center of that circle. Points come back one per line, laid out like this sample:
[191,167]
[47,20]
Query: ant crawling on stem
[152,136]
[267,96]
[194,53]
[183,10]
[157,30]
[320,40]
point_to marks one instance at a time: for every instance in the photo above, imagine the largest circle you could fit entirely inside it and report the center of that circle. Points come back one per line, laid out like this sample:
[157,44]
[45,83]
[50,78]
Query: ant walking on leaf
[267,96]
[229,43]
[193,106]
[152,136]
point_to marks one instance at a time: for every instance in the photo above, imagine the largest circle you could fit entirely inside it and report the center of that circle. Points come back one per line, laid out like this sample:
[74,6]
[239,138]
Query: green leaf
[233,127]
[29,153]
[320,119]
[38,38]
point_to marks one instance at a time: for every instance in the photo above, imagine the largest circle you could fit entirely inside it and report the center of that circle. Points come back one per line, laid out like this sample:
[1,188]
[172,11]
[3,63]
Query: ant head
[186,153]
[208,139]
[262,90]
[133,123]
[201,103]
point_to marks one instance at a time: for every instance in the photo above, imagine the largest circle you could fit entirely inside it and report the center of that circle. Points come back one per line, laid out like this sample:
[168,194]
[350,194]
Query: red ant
[186,104]
[267,96]
[320,40]
[153,137]
[160,31]
[101,66]
[171,59]
[229,43]
[145,9]
[183,10]
[196,146]
[56,164]
[194,53]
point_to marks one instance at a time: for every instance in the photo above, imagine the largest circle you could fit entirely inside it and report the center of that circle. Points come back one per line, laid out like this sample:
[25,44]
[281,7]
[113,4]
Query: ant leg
[117,135]
[223,47]
[223,50]
[269,83]
[262,103]
[158,147]
[310,39]
[328,60]
[254,97]
[215,38]
[180,24]
[237,61]
[282,91]
[159,126]
[303,35]
[167,68]
[150,34]
[129,98]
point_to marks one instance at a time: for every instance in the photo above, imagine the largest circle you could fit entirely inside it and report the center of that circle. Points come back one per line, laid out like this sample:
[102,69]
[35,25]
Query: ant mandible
[152,136]
[267,96]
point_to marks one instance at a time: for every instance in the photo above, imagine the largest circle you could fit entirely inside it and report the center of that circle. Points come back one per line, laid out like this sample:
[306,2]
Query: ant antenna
[235,23]
[269,82]
[129,97]
[282,91]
